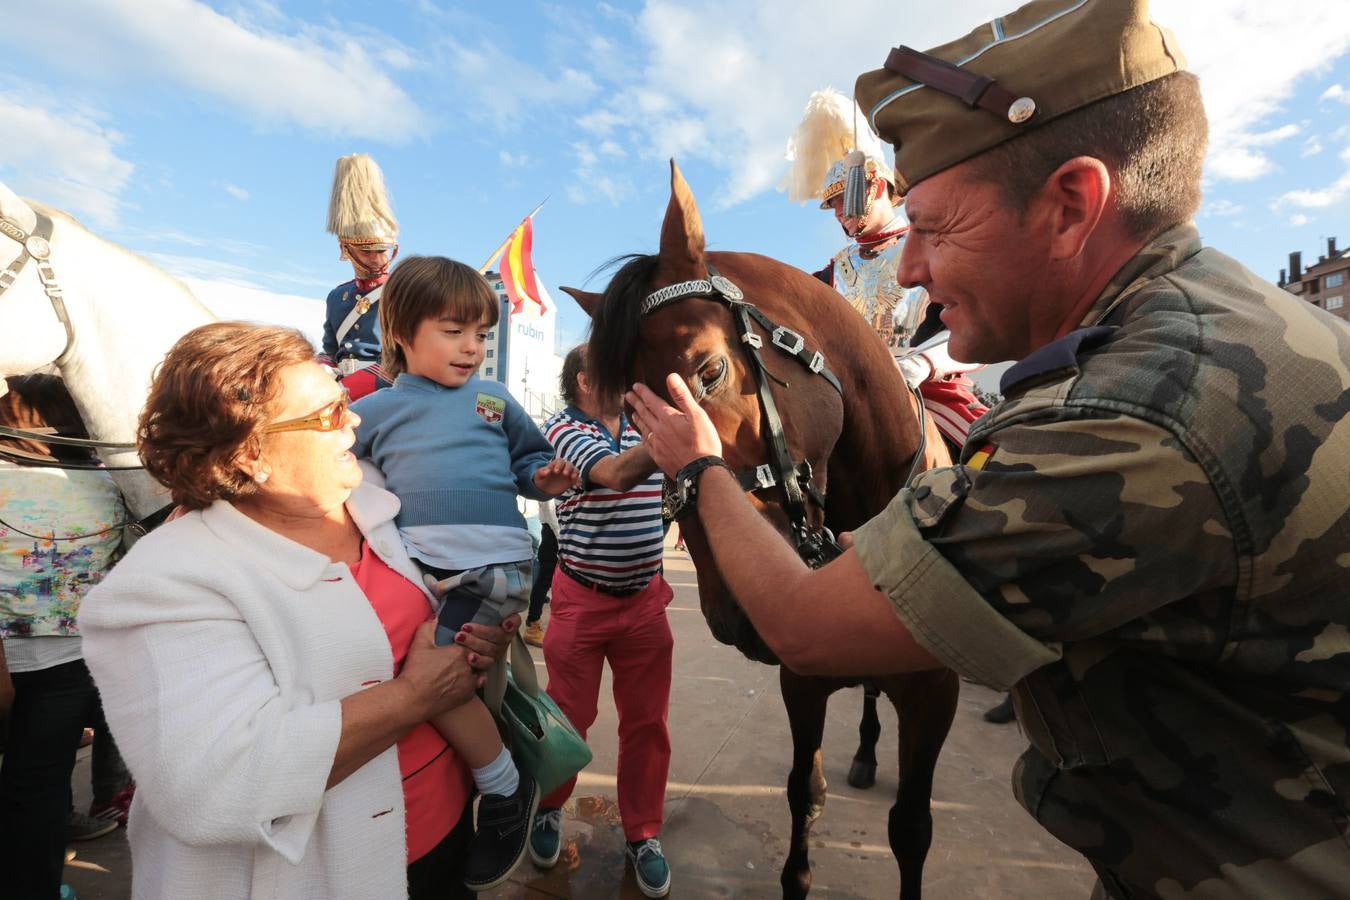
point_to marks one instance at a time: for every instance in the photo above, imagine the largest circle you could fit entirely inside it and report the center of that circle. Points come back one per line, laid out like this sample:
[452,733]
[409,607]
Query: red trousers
[587,627]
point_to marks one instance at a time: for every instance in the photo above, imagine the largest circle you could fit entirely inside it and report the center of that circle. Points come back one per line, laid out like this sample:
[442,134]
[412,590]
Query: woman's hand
[486,644]
[439,678]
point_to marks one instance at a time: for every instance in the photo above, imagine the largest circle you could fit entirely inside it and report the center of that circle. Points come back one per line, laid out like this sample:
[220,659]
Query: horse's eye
[712,373]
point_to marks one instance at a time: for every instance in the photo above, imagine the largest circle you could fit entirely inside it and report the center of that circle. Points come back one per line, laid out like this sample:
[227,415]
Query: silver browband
[699,287]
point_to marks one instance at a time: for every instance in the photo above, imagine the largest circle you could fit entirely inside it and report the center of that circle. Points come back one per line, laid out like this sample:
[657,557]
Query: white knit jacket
[221,650]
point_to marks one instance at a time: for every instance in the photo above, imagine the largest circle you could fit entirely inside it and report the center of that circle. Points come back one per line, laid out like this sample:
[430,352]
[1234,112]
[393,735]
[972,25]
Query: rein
[815,545]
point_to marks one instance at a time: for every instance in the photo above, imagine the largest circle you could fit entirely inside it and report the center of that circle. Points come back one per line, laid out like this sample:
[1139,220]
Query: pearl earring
[260,476]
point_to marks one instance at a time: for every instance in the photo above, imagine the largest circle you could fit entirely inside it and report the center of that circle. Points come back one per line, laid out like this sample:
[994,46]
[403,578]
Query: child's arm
[556,476]
[530,452]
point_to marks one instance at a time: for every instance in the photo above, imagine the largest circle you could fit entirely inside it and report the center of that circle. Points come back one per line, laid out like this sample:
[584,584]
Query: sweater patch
[489,408]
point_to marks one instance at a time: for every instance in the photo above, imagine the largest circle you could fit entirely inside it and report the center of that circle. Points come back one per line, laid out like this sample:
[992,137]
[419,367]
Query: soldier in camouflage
[1148,539]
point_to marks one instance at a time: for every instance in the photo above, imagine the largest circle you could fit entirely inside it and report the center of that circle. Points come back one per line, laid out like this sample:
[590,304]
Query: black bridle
[814,544]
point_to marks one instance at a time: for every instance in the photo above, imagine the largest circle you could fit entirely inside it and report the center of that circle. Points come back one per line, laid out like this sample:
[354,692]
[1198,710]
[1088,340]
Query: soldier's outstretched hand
[674,435]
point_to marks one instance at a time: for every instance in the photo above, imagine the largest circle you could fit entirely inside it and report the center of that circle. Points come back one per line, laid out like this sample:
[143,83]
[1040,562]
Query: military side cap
[1008,76]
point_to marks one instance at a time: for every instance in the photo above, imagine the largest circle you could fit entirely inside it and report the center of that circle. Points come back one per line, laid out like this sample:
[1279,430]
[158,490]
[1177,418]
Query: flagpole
[487,264]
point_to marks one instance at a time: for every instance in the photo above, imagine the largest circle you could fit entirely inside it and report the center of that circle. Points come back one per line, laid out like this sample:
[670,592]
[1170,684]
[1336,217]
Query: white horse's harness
[36,245]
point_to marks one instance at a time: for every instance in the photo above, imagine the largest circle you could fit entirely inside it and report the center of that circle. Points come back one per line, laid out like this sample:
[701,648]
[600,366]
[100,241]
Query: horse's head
[36,335]
[699,337]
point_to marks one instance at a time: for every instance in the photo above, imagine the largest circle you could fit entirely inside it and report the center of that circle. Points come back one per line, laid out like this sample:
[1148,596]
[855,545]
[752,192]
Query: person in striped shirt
[609,603]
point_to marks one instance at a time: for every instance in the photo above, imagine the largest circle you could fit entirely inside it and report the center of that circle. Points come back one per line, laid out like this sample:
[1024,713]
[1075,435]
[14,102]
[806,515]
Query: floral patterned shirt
[58,536]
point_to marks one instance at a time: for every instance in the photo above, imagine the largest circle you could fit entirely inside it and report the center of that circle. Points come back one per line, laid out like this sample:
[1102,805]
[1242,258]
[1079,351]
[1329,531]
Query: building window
[491,352]
[1335,302]
[1335,280]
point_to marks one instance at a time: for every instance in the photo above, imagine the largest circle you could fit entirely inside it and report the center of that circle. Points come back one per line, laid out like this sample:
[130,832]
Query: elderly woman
[266,661]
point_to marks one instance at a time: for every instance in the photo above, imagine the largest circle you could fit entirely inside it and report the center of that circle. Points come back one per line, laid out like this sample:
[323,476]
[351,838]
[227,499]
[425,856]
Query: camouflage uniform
[1149,540]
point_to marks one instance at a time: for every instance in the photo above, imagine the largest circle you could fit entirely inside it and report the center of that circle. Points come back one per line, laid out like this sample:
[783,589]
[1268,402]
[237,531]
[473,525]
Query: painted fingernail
[466,629]
[459,638]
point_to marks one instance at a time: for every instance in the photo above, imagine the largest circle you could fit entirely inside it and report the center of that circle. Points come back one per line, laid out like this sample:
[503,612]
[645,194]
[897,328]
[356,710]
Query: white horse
[101,315]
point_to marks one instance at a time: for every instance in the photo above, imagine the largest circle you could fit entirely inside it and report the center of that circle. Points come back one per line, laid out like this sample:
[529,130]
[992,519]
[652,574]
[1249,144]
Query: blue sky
[203,135]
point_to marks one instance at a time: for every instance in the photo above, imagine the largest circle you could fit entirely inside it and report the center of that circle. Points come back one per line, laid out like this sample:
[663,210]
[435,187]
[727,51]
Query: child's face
[445,350]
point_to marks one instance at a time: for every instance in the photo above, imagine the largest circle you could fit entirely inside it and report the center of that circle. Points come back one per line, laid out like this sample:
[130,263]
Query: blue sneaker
[650,867]
[546,838]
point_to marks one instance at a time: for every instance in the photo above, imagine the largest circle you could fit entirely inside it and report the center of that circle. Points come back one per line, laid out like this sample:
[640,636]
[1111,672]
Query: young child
[457,450]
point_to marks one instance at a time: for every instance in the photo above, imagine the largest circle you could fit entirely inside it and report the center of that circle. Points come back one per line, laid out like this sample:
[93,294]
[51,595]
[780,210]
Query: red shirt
[435,780]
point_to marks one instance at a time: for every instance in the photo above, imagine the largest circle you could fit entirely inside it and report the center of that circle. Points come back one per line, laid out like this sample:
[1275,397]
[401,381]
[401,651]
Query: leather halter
[815,545]
[36,245]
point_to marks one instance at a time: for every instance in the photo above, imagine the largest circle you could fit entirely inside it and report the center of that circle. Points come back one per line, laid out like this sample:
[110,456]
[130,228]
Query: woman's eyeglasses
[329,418]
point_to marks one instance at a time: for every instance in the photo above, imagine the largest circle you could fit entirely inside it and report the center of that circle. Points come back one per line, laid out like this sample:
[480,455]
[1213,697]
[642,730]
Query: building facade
[521,353]
[1325,283]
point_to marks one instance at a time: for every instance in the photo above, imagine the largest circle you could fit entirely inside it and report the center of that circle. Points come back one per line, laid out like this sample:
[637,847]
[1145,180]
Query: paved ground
[726,812]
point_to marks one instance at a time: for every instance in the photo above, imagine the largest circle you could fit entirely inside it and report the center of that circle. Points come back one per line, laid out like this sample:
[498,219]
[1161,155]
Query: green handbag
[543,742]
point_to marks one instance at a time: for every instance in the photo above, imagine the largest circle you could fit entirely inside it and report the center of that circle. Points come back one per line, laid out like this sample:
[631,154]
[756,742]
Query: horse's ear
[587,300]
[681,233]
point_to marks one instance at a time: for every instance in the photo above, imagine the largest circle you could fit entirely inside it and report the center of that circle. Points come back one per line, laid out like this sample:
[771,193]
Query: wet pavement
[726,829]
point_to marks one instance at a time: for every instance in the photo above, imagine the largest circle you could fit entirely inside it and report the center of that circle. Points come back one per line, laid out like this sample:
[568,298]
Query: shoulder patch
[489,408]
[980,458]
[1056,356]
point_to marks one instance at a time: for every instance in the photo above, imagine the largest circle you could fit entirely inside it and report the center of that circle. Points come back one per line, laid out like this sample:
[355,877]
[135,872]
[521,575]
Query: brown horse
[821,429]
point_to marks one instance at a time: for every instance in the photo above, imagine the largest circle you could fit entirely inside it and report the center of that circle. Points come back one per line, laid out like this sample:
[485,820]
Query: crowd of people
[1144,540]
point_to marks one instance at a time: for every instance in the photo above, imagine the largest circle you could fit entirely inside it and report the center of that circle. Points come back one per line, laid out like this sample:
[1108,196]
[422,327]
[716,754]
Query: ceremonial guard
[833,149]
[360,216]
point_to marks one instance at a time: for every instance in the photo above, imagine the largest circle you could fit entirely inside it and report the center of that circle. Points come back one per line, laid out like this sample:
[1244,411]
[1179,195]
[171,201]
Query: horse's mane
[617,322]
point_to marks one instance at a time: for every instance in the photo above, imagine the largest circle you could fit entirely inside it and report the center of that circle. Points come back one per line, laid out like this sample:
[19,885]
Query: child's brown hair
[428,287]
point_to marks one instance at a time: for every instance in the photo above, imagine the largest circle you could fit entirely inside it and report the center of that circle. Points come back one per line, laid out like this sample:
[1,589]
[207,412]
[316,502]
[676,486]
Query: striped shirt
[612,538]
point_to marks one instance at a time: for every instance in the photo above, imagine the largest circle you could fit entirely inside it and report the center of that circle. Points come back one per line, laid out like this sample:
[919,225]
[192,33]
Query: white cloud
[514,160]
[236,191]
[1221,40]
[1221,209]
[1312,146]
[594,179]
[67,159]
[1320,198]
[1335,92]
[711,87]
[1298,219]
[306,76]
[503,88]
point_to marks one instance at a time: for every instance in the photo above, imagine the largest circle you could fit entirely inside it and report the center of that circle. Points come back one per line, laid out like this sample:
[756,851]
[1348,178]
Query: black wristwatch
[686,484]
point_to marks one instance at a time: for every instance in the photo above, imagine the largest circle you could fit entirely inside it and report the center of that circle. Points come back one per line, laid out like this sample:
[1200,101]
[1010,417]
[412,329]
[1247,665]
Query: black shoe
[1003,713]
[503,834]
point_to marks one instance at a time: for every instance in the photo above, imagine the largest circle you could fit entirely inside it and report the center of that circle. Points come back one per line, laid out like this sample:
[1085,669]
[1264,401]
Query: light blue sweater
[454,456]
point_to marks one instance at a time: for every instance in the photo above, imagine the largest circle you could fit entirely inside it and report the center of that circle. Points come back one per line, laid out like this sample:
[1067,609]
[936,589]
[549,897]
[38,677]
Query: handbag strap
[522,672]
[522,666]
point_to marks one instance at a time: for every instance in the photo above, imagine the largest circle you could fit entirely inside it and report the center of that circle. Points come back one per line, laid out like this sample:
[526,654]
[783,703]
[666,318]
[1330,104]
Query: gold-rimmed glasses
[328,418]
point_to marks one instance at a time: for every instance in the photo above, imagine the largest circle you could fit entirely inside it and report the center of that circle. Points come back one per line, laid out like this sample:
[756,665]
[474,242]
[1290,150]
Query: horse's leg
[863,772]
[925,703]
[805,700]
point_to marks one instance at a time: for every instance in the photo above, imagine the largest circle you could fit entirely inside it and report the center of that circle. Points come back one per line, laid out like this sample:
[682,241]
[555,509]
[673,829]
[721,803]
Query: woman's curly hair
[208,401]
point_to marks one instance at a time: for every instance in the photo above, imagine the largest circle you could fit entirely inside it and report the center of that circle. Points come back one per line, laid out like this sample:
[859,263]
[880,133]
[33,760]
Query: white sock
[498,777]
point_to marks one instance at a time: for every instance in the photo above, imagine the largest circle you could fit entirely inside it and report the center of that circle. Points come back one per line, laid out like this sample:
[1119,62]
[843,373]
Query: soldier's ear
[1074,200]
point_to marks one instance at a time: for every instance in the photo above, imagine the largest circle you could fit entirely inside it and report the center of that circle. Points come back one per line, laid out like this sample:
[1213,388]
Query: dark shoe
[650,867]
[1001,714]
[546,838]
[503,833]
[86,828]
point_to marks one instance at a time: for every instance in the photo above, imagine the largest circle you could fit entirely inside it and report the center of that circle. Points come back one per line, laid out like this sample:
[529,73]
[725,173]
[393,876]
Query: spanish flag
[517,268]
